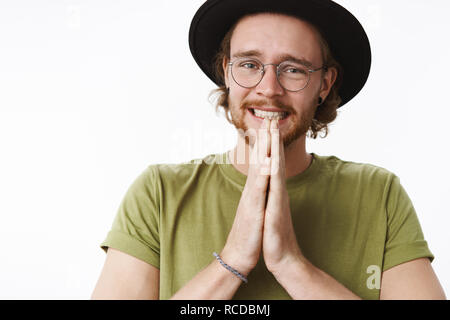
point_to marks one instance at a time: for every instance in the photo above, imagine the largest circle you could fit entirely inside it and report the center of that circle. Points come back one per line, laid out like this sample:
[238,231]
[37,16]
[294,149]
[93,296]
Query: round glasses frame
[263,71]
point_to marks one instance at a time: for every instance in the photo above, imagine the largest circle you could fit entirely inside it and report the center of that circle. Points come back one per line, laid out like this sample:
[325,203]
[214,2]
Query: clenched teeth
[269,114]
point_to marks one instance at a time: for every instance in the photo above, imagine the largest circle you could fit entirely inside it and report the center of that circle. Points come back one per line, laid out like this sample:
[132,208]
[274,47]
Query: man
[286,224]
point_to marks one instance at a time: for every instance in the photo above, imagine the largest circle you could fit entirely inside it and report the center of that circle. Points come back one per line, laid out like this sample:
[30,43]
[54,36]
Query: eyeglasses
[292,76]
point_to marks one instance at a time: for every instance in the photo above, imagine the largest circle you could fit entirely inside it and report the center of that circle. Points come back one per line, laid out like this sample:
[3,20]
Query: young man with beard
[287,224]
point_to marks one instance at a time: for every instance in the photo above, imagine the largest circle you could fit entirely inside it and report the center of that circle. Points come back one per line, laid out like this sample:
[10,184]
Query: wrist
[235,262]
[231,269]
[293,267]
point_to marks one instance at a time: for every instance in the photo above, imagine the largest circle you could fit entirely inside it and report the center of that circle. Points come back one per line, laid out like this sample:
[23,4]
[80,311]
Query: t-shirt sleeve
[135,229]
[404,239]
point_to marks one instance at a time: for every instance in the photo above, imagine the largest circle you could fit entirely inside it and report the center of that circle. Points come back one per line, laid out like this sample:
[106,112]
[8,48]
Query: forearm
[303,281]
[213,282]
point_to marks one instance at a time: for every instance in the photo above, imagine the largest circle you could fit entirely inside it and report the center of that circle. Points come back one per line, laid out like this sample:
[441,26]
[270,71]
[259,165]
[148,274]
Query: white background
[87,102]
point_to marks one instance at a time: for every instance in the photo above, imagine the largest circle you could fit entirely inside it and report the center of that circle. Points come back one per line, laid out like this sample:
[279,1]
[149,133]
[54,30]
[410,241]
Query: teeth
[270,115]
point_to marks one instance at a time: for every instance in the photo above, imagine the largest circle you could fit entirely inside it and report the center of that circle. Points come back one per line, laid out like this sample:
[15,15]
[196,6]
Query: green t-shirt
[352,220]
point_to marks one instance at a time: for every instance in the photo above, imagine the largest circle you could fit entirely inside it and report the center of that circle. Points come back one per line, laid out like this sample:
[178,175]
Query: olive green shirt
[352,220]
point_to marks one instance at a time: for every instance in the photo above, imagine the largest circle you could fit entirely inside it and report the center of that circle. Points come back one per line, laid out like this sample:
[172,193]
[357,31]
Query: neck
[296,157]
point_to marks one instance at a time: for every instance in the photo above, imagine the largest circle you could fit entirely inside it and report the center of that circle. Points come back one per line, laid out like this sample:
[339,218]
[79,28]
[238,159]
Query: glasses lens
[247,72]
[293,76]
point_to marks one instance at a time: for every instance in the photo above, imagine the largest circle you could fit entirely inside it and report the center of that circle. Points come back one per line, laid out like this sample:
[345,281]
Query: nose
[269,85]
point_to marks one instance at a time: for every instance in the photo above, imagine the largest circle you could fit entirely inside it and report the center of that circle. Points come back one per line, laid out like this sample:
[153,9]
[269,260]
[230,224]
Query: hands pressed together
[263,218]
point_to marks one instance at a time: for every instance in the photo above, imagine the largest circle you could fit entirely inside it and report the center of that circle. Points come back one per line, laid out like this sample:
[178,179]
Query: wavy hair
[325,112]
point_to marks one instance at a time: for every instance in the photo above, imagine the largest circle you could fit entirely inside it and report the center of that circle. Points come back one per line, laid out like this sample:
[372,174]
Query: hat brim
[346,37]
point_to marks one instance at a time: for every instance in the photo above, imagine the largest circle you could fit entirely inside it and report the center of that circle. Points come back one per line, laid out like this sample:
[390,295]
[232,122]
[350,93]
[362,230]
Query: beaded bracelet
[230,268]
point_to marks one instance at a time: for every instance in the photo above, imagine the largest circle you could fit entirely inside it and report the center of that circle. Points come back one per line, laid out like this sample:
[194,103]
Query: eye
[249,65]
[291,69]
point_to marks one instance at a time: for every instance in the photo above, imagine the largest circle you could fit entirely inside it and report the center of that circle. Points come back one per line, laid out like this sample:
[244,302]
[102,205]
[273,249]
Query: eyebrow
[283,57]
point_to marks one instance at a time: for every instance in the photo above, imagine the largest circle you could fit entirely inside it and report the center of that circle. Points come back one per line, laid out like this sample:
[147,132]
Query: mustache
[264,103]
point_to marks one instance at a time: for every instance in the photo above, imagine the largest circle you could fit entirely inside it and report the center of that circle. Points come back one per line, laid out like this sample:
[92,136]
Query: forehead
[276,35]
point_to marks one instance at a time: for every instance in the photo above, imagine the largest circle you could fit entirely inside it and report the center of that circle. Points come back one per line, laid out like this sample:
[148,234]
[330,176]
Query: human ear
[328,81]
[225,71]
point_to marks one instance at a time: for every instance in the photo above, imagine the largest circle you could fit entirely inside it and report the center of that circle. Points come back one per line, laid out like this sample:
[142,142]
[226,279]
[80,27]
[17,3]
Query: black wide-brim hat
[346,37]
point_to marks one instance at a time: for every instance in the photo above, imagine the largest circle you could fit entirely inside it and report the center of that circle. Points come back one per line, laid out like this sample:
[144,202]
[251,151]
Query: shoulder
[183,170]
[347,171]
